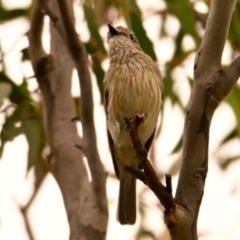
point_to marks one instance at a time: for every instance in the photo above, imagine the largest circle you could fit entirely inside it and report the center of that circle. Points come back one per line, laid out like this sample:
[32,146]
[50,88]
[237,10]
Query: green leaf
[5,79]
[226,162]
[8,133]
[184,11]
[175,167]
[10,130]
[96,66]
[179,55]
[25,54]
[229,137]
[9,15]
[20,96]
[145,234]
[95,46]
[168,87]
[91,19]
[26,120]
[35,135]
[234,30]
[6,15]
[162,32]
[233,99]
[134,20]
[5,90]
[19,92]
[178,146]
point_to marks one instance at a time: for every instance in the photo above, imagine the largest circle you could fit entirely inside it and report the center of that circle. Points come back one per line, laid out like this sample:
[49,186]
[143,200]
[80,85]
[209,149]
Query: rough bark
[211,85]
[85,204]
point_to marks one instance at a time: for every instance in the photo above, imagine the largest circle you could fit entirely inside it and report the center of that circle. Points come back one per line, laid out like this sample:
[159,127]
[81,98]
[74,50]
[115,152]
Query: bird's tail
[127,190]
[127,198]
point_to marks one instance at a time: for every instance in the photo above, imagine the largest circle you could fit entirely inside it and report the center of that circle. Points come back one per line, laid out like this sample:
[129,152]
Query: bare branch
[57,22]
[147,175]
[233,71]
[211,85]
[210,52]
[53,73]
[26,221]
[79,55]
[26,207]
[35,33]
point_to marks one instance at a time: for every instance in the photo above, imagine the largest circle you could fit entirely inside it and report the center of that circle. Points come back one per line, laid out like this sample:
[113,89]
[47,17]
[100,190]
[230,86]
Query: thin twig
[210,51]
[146,173]
[26,207]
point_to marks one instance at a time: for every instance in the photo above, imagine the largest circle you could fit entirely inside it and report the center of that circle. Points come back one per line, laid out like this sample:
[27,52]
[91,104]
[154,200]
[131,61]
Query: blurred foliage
[25,118]
[7,15]
[23,115]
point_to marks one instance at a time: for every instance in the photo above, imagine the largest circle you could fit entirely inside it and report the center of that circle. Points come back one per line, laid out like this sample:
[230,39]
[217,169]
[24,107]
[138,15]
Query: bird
[132,84]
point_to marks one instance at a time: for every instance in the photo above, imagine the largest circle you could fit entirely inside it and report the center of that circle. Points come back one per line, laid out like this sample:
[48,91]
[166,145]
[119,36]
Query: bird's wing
[149,141]
[110,140]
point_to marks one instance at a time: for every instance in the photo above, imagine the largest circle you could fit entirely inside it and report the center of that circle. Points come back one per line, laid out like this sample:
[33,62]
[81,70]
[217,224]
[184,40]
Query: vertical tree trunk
[86,218]
[211,85]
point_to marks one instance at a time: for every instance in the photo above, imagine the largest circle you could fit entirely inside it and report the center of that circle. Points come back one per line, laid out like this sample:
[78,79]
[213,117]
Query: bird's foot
[135,171]
[141,114]
[134,121]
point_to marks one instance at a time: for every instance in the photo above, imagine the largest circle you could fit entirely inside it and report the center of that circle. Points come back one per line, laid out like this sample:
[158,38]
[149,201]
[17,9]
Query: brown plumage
[132,84]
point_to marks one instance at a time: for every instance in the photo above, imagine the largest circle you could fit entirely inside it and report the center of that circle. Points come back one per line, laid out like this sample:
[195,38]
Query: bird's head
[122,36]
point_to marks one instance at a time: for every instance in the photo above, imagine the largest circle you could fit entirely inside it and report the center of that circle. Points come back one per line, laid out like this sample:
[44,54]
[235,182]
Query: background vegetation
[179,23]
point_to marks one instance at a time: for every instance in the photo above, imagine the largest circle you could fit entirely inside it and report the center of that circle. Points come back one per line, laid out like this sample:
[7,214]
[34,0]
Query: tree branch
[79,55]
[210,51]
[25,208]
[147,174]
[53,73]
[211,85]
[35,33]
[233,72]
[57,22]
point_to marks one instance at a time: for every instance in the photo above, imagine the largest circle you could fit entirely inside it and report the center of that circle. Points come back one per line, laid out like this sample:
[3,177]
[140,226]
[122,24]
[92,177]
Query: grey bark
[211,85]
[85,204]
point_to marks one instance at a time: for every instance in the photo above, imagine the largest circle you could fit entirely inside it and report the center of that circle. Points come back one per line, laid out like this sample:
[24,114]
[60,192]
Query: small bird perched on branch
[132,84]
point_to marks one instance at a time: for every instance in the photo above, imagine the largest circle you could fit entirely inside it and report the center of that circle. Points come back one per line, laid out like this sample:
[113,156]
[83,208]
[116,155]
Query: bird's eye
[131,36]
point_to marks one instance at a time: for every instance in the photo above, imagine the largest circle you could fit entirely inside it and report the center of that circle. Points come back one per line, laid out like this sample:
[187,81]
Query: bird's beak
[113,31]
